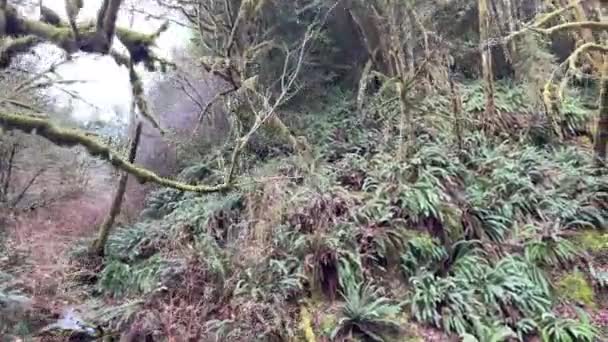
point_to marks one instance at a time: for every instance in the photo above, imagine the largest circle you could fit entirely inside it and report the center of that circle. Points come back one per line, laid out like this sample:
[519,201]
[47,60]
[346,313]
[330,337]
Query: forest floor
[256,261]
[41,236]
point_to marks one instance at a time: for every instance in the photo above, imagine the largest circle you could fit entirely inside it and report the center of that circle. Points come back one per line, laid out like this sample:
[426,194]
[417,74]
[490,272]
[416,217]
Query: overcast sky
[107,85]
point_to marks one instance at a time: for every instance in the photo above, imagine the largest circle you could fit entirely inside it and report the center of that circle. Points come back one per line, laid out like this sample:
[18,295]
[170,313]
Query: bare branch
[25,189]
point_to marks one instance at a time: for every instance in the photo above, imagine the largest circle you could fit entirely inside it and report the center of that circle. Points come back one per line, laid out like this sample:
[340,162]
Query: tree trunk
[6,177]
[486,61]
[601,135]
[99,244]
[407,140]
[456,111]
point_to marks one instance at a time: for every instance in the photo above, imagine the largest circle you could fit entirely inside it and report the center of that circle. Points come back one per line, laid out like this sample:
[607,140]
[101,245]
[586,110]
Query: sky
[106,86]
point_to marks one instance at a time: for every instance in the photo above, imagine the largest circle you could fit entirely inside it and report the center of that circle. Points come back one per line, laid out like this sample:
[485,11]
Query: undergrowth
[469,242]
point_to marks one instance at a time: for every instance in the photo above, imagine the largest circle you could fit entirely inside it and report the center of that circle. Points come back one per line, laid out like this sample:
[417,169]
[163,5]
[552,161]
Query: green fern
[555,329]
[366,313]
[422,253]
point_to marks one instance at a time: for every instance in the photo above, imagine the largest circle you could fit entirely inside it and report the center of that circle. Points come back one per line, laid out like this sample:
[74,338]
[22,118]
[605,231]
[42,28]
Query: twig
[27,187]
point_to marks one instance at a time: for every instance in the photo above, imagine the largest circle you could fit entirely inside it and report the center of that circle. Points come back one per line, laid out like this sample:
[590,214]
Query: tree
[486,59]
[601,138]
[98,247]
[255,47]
[19,34]
[392,32]
[592,52]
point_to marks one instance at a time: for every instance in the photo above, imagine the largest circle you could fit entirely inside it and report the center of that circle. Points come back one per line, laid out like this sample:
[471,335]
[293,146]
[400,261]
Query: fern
[551,251]
[493,332]
[120,279]
[367,313]
[555,329]
[422,253]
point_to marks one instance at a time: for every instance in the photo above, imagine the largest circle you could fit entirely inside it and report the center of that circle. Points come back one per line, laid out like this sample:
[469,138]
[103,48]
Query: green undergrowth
[365,242]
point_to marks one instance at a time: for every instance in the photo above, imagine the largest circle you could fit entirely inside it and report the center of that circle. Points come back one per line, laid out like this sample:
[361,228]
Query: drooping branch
[587,47]
[552,93]
[539,25]
[72,137]
[137,90]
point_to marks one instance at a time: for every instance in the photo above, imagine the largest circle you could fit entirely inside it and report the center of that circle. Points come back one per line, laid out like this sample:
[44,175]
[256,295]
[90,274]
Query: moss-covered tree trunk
[456,111]
[486,60]
[601,135]
[99,244]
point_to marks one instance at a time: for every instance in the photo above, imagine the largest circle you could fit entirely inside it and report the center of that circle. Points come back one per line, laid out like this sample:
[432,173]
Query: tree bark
[99,244]
[456,111]
[601,135]
[486,61]
[6,179]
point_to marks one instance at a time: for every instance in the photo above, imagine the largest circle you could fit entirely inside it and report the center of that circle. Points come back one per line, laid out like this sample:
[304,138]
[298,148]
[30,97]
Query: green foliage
[277,278]
[422,253]
[122,279]
[466,229]
[510,98]
[495,332]
[551,250]
[478,289]
[599,277]
[576,115]
[557,329]
[367,313]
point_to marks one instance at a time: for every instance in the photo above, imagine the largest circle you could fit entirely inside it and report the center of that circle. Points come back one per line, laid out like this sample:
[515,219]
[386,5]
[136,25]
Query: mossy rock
[575,286]
[593,241]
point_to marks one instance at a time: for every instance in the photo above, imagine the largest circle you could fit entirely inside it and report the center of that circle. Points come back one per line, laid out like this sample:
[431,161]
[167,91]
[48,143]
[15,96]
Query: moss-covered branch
[72,137]
[95,37]
[540,24]
[593,25]
[137,90]
[9,48]
[587,47]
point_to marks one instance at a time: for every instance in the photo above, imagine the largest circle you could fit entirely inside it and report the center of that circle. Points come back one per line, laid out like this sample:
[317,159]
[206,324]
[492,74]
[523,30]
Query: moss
[305,325]
[593,241]
[327,324]
[574,286]
[72,137]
